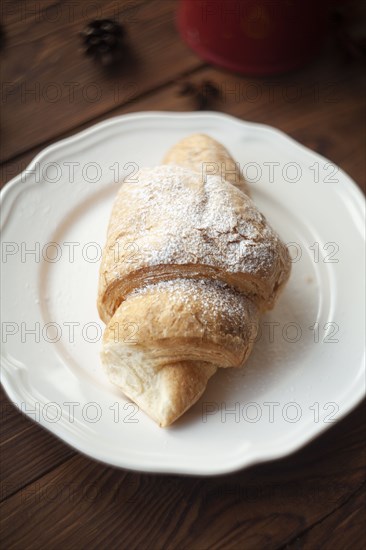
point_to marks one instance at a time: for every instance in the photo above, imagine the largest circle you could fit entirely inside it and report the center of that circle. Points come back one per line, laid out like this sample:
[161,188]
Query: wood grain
[49,86]
[337,529]
[37,451]
[12,422]
[320,106]
[55,497]
[263,507]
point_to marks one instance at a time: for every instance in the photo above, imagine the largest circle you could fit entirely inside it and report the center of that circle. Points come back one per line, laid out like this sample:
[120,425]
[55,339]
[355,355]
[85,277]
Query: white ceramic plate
[307,368]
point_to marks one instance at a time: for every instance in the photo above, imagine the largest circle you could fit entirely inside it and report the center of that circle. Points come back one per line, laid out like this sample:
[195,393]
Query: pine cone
[203,93]
[104,40]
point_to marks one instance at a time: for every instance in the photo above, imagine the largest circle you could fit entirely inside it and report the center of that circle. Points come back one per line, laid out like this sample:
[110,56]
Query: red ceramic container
[251,36]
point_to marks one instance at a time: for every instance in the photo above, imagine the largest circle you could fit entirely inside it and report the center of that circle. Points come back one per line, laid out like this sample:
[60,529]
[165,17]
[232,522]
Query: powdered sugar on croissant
[191,263]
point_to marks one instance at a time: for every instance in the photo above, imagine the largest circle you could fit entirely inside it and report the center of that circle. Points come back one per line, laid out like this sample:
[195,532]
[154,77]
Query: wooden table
[54,497]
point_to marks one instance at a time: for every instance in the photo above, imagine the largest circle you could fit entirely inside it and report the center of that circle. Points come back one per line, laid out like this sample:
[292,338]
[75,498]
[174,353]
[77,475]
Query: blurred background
[295,65]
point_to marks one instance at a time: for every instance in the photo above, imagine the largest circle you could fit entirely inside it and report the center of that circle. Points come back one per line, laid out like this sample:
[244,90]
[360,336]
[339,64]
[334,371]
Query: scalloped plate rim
[350,400]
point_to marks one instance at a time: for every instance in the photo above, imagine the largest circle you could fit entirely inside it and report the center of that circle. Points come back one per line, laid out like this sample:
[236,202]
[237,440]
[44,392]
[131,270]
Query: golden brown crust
[188,266]
[186,320]
[166,340]
[205,155]
[169,223]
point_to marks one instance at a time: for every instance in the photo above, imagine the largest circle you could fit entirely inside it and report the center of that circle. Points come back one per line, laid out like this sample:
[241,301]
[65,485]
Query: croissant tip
[167,421]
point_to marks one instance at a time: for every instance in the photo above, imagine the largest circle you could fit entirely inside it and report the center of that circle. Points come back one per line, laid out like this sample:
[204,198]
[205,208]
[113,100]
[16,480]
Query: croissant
[189,266]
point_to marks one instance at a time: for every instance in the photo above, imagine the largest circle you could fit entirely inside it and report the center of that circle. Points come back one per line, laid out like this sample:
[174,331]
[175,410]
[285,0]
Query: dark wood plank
[27,451]
[327,116]
[263,507]
[56,497]
[11,421]
[49,86]
[37,452]
[345,524]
